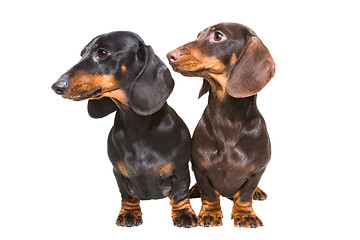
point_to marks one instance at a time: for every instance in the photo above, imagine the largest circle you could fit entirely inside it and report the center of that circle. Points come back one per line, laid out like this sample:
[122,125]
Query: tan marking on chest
[123,170]
[165,169]
[205,162]
[123,68]
[251,167]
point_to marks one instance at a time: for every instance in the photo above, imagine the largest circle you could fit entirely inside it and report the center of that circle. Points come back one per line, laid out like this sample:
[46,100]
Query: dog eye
[101,53]
[218,36]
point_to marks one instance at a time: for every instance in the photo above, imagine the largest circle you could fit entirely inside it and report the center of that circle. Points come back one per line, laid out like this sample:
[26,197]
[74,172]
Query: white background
[56,181]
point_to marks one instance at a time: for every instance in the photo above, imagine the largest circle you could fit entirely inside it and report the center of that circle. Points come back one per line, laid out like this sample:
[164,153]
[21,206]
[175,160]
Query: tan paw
[130,214]
[210,214]
[244,215]
[183,215]
[247,220]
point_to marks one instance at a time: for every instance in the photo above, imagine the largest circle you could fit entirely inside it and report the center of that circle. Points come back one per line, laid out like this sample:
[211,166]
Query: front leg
[182,213]
[244,215]
[203,145]
[130,213]
[210,214]
[242,212]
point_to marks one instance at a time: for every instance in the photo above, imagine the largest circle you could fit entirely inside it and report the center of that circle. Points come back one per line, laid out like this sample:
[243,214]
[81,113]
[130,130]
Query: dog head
[118,65]
[230,57]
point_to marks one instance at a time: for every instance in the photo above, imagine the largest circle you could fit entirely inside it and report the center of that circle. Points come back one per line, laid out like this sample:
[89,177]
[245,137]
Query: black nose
[60,86]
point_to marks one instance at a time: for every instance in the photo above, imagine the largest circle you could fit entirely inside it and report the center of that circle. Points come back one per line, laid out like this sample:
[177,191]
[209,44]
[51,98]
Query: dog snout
[61,85]
[174,55]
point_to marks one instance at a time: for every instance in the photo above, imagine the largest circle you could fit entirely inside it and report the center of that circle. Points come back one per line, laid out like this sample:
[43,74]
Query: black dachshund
[149,144]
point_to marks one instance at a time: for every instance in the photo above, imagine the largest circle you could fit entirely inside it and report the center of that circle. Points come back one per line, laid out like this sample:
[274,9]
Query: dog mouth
[191,69]
[93,94]
[188,68]
[195,65]
[195,73]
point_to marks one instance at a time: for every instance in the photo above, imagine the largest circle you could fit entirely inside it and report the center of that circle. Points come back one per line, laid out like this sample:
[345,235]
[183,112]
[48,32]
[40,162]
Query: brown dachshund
[230,146]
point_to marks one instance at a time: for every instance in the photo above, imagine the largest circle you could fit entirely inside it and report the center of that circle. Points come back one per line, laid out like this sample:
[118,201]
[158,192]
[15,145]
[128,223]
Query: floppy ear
[98,108]
[204,88]
[252,71]
[152,86]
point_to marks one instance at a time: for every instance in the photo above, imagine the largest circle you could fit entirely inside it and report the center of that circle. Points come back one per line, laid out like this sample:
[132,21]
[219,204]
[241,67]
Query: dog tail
[194,191]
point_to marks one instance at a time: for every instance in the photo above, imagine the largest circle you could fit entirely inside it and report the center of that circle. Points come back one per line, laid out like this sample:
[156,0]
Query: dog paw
[259,195]
[244,215]
[210,214]
[186,219]
[182,214]
[210,219]
[129,219]
[130,214]
[247,220]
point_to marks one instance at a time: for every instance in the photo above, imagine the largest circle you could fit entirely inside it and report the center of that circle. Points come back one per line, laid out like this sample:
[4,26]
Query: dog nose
[61,85]
[174,55]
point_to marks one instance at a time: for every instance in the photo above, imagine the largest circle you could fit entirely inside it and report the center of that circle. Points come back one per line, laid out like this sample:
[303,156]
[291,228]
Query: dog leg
[182,213]
[130,214]
[210,213]
[194,191]
[242,212]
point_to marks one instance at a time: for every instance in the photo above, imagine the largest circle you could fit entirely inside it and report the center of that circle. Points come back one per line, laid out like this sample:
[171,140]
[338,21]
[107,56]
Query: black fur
[149,144]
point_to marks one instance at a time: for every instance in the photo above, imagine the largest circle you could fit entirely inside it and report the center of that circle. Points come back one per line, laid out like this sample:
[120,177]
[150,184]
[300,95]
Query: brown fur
[230,145]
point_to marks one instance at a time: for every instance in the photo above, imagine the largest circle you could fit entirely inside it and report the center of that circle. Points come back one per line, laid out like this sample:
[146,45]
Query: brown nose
[174,55]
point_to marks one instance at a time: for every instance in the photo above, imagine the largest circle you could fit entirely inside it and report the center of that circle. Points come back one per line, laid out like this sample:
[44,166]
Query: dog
[149,145]
[230,145]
